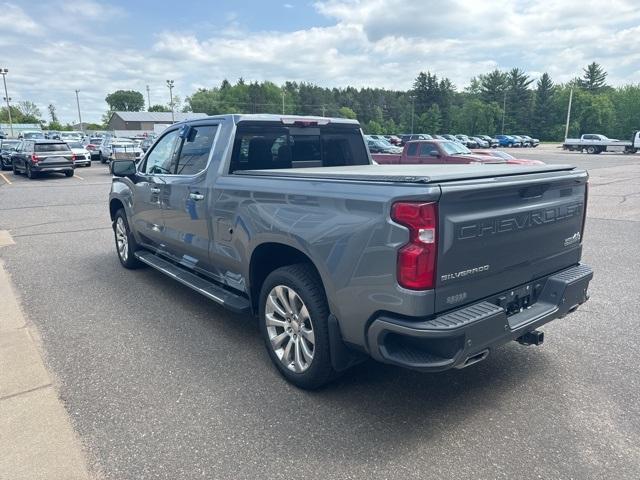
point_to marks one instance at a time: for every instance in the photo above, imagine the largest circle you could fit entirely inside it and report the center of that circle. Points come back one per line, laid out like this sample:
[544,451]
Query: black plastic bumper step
[209,289]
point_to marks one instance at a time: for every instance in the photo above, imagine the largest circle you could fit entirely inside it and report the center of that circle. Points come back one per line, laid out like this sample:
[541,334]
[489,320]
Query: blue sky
[53,47]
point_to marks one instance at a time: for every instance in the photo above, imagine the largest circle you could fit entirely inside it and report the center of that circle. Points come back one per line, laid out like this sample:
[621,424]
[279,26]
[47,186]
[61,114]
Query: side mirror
[123,168]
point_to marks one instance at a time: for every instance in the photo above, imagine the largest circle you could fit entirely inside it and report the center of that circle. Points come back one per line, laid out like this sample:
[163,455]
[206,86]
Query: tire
[69,173]
[126,249]
[592,149]
[102,160]
[15,169]
[30,174]
[89,164]
[297,334]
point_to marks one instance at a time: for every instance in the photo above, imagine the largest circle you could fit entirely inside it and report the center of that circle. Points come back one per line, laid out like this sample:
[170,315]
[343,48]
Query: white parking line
[78,177]
[5,178]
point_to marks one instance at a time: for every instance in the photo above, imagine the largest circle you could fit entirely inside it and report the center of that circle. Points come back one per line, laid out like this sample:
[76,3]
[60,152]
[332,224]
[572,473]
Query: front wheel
[126,245]
[591,149]
[293,321]
[69,173]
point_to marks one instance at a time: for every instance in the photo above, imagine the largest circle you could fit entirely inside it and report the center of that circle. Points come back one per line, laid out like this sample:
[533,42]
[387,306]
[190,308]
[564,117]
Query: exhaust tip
[478,357]
[534,337]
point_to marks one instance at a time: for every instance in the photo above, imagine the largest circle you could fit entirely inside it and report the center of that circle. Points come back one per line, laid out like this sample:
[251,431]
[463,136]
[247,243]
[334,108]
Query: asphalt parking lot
[162,383]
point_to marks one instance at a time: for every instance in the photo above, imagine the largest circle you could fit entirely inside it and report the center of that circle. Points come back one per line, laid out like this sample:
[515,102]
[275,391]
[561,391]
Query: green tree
[30,112]
[346,112]
[52,113]
[430,121]
[159,108]
[125,101]
[594,79]
[493,86]
[518,104]
[543,108]
[373,128]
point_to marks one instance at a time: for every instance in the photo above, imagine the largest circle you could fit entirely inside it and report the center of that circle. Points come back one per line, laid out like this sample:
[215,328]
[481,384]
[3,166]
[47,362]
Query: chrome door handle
[154,190]
[196,196]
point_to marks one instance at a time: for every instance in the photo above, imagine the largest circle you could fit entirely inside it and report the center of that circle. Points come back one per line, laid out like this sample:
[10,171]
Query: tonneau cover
[408,173]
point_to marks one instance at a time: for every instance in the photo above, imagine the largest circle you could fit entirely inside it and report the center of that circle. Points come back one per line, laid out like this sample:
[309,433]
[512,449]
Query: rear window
[264,147]
[51,147]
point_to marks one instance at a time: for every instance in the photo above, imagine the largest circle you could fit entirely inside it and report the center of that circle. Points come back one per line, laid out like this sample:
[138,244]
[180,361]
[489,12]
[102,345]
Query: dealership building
[140,123]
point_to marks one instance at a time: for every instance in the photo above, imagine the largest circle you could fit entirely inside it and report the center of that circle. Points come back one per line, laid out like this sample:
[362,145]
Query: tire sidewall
[132,261]
[319,372]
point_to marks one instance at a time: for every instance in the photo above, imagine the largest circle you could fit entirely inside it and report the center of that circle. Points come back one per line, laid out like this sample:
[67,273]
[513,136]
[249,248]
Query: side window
[428,150]
[412,150]
[194,154]
[160,158]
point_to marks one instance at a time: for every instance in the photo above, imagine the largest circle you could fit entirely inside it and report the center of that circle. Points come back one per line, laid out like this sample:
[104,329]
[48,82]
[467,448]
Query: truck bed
[410,173]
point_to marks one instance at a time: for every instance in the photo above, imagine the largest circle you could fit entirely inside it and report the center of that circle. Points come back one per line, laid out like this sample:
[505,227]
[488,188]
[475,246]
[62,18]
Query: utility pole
[566,128]
[148,99]
[79,114]
[413,110]
[283,101]
[504,109]
[170,85]
[3,72]
[323,109]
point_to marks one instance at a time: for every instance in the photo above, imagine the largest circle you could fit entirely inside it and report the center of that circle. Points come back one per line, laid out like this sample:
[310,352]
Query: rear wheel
[126,245]
[30,173]
[592,149]
[15,169]
[69,173]
[293,322]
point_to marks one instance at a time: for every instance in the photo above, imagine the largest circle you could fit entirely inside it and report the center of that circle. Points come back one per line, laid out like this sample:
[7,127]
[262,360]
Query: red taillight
[417,259]
[73,157]
[34,158]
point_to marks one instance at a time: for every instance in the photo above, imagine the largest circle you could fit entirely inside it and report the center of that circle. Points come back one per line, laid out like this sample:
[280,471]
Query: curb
[36,434]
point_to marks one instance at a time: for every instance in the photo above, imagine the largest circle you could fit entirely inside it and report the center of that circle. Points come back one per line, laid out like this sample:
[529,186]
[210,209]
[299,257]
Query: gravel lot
[162,383]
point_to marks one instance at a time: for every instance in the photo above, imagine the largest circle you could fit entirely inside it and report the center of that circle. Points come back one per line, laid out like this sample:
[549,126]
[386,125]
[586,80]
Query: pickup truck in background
[428,267]
[595,143]
[433,152]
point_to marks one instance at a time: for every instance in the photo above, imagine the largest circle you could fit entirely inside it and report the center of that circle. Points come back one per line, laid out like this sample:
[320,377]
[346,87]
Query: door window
[412,150]
[160,159]
[194,153]
[428,150]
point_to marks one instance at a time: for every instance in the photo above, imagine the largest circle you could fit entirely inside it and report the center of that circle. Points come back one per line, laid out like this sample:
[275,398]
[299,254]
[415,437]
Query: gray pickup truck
[428,267]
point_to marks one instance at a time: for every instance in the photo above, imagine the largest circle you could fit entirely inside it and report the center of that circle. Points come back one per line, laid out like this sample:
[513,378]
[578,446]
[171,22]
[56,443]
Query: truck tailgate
[502,232]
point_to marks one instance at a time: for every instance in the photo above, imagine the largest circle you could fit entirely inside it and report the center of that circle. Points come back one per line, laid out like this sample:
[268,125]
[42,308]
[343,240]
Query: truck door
[148,191]
[429,153]
[187,196]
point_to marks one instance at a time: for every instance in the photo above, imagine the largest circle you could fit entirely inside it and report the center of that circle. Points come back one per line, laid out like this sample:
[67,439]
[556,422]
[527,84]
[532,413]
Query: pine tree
[543,108]
[594,78]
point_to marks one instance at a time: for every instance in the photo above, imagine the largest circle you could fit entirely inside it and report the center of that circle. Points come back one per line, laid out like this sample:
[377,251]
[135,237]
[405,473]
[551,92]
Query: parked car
[480,142]
[394,140]
[337,257]
[451,138]
[31,135]
[121,149]
[508,141]
[81,154]
[146,144]
[508,157]
[71,136]
[378,146]
[533,142]
[7,147]
[42,156]
[92,145]
[2,134]
[414,136]
[466,141]
[433,152]
[493,142]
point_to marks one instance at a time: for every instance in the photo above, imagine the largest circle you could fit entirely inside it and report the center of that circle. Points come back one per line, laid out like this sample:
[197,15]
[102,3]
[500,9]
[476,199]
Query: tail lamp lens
[417,258]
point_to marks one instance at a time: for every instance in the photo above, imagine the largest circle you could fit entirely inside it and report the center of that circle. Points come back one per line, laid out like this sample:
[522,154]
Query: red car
[434,152]
[509,158]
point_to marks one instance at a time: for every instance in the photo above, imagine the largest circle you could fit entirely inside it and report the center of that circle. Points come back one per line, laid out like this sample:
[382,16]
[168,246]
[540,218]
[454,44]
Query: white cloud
[381,43]
[14,20]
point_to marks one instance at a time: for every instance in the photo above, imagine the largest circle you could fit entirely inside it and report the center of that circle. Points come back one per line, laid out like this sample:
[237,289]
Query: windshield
[75,144]
[51,147]
[123,145]
[454,148]
[504,155]
[33,135]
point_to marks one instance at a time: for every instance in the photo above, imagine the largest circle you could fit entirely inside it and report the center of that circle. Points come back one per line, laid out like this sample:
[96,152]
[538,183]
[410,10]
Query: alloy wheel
[122,240]
[289,328]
